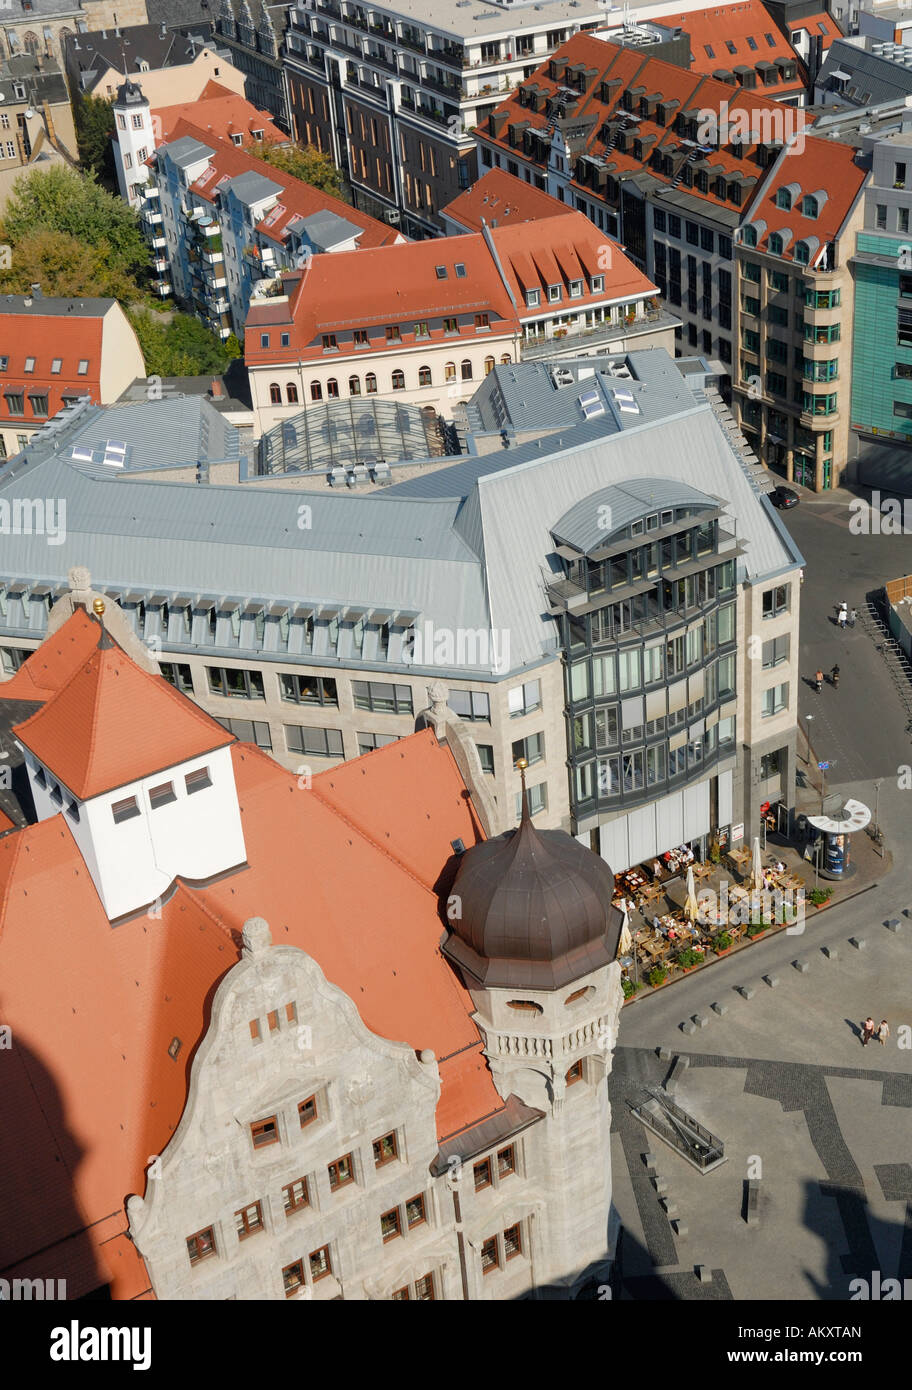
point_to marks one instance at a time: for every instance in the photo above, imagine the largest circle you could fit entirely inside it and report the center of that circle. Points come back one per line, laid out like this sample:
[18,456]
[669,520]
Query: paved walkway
[782,1078]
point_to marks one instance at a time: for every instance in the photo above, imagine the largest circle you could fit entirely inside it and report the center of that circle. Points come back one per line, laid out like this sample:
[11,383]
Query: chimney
[498,120]
[216,390]
[164,31]
[36,291]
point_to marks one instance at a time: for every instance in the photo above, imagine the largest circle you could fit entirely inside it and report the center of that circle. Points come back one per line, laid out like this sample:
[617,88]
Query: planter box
[722,953]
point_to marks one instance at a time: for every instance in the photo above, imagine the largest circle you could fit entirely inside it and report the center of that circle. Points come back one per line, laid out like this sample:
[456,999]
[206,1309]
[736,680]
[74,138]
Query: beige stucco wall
[121,356]
[170,86]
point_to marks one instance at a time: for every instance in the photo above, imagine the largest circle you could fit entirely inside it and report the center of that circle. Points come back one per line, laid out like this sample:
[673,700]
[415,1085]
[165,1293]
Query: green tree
[305,163]
[63,265]
[94,131]
[181,347]
[61,199]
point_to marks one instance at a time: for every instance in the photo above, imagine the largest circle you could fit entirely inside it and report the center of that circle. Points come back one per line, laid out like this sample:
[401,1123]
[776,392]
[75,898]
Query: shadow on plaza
[838,1213]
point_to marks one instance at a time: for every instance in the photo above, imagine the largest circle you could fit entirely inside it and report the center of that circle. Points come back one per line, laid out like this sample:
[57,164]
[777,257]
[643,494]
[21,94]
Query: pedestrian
[852,616]
[843,615]
[883,1032]
[818,680]
[867,1032]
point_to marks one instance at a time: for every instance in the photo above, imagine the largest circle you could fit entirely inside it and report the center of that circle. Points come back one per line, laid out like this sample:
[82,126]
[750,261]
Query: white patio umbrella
[626,940]
[756,878]
[691,906]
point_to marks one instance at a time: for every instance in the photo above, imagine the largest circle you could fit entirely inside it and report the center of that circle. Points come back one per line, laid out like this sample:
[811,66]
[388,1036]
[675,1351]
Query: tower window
[124,809]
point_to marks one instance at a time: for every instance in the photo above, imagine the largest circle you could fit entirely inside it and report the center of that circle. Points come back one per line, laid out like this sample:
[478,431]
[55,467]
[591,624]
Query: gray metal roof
[187,151]
[40,304]
[581,526]
[876,78]
[464,547]
[327,229]
[172,432]
[251,187]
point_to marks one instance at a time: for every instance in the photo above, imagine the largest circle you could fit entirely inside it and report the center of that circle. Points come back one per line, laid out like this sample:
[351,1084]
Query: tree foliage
[65,266]
[305,163]
[94,130]
[61,199]
[181,347]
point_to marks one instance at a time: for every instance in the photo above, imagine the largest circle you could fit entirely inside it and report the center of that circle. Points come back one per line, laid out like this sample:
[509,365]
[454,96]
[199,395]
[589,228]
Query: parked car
[784,497]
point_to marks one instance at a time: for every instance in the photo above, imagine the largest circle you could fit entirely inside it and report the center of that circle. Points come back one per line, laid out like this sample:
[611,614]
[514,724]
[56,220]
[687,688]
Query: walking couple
[870,1029]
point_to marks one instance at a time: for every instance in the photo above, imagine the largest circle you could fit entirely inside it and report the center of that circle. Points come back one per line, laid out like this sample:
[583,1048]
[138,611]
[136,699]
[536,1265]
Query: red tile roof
[86,734]
[219,112]
[678,91]
[90,1092]
[399,285]
[501,200]
[53,663]
[298,199]
[822,25]
[825,169]
[748,27]
[47,338]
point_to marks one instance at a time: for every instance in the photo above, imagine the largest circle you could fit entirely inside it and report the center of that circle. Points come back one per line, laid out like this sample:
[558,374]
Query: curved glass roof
[345,433]
[592,522]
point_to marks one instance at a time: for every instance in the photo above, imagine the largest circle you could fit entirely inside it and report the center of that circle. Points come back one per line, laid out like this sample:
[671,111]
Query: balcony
[564,596]
[150,189]
[161,284]
[328,8]
[159,262]
[540,345]
[453,90]
[158,242]
[213,255]
[410,38]
[379,60]
[152,216]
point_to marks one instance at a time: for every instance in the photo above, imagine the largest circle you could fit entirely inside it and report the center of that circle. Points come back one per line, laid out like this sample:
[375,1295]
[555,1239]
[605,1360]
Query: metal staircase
[760,480]
[897,663]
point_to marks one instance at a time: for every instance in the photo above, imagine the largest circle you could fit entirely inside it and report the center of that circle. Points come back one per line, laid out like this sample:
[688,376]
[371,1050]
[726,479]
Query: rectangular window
[201,1245]
[531,748]
[198,780]
[506,1161]
[415,1212]
[308,690]
[341,1172]
[385,1150]
[382,698]
[775,651]
[774,700]
[56,365]
[319,743]
[776,601]
[307,1111]
[482,1174]
[235,683]
[470,704]
[249,1220]
[486,757]
[162,795]
[538,799]
[512,1239]
[523,699]
[902,410]
[390,1224]
[265,1132]
[368,742]
[490,1256]
[296,1196]
[178,674]
[329,342]
[293,1278]
[125,809]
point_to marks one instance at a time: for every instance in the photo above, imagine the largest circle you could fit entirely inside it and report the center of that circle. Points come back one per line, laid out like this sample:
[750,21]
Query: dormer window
[809,206]
[554,294]
[598,284]
[533,299]
[749,236]
[801,253]
[576,289]
[784,199]
[774,244]
[125,809]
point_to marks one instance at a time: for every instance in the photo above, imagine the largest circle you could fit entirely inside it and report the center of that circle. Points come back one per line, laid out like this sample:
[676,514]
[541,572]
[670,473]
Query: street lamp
[877,836]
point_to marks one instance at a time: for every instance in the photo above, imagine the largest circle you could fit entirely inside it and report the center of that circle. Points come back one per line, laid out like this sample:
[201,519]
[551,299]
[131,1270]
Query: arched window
[354,386]
[525,1006]
[784,199]
[332,388]
[370,384]
[466,369]
[398,381]
[275,393]
[506,360]
[489,365]
[774,244]
[449,371]
[802,253]
[31,44]
[749,236]
[316,391]
[424,376]
[291,393]
[809,206]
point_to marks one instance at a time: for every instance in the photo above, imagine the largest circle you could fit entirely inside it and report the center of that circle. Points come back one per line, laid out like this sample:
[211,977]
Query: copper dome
[536,910]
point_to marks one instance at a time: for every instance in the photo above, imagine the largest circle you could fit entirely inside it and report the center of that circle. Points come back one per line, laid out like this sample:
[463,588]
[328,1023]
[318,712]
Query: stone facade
[398,1216]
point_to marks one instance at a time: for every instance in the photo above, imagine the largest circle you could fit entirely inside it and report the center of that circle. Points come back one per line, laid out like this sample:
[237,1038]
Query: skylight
[460,270]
